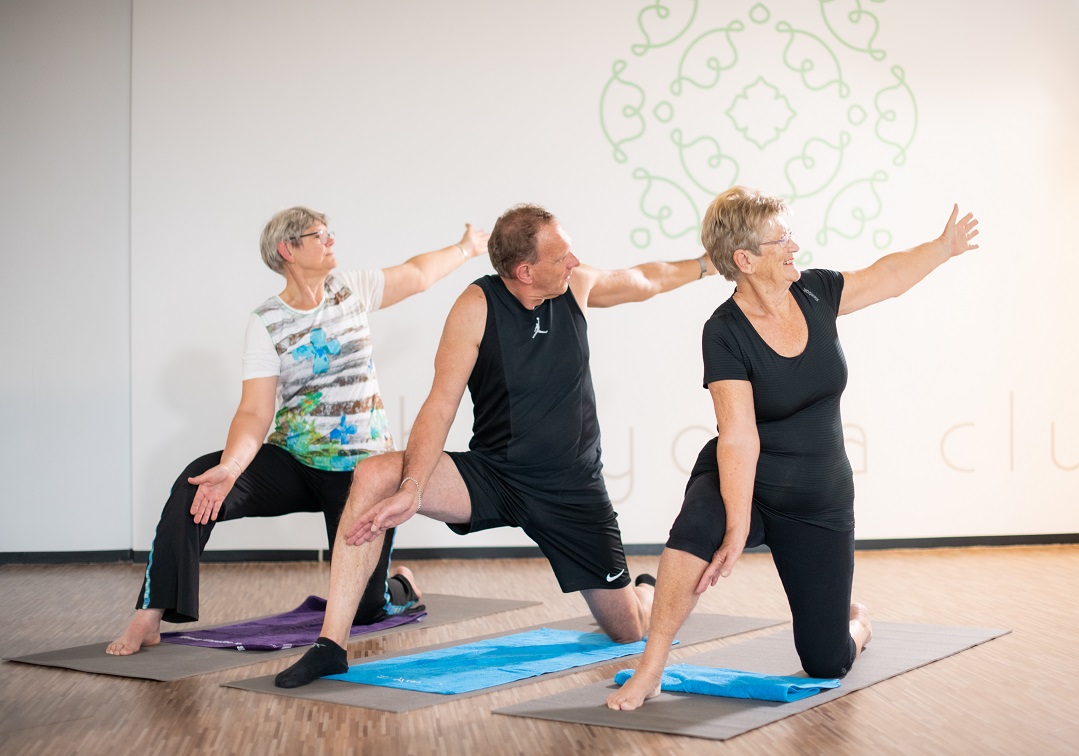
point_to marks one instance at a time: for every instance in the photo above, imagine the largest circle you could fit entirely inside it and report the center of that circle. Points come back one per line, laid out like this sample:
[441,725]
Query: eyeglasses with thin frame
[783,241]
[324,236]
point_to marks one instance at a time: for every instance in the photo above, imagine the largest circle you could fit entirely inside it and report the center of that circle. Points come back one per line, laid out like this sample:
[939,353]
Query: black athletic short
[581,541]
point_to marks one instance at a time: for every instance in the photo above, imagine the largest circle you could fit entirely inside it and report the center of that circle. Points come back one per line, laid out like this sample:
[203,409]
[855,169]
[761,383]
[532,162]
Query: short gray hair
[285,226]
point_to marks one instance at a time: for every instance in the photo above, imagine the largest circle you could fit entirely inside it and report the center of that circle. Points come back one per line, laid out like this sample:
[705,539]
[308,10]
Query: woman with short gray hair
[308,371]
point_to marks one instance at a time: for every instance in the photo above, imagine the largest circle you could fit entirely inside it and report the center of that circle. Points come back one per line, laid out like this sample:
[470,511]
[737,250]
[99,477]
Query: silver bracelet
[704,268]
[419,493]
[464,254]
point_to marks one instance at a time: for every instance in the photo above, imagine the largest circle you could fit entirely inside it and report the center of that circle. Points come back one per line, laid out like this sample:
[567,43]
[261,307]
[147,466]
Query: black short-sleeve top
[803,472]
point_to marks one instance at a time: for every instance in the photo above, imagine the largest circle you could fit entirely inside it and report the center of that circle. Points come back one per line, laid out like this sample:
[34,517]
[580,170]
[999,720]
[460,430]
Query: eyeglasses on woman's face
[325,236]
[783,241]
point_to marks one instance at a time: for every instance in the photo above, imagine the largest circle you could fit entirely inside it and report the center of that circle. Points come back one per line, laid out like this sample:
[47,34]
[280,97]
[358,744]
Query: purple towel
[300,627]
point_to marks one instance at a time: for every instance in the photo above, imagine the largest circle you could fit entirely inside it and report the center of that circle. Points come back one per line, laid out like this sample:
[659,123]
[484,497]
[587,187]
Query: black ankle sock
[323,658]
[645,579]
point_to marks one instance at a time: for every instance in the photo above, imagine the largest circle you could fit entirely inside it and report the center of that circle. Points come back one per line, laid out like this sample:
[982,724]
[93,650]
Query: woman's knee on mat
[828,663]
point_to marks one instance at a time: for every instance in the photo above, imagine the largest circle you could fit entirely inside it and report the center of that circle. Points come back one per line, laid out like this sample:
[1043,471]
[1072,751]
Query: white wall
[65,448]
[403,122]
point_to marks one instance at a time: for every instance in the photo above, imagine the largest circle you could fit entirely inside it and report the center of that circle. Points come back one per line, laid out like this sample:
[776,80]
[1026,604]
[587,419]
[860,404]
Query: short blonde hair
[734,221]
[285,226]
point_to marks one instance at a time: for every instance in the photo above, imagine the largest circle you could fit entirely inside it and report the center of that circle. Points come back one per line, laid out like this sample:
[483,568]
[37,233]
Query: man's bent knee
[375,478]
[619,613]
[619,635]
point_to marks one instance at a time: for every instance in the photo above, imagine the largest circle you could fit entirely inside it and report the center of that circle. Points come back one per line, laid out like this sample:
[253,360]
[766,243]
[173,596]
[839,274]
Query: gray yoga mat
[699,628]
[169,661]
[895,649]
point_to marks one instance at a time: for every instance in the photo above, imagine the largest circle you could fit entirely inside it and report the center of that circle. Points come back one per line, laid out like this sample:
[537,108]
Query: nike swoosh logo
[612,578]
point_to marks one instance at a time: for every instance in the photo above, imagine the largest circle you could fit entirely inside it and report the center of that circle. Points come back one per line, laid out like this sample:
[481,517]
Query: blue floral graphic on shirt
[341,464]
[343,432]
[318,351]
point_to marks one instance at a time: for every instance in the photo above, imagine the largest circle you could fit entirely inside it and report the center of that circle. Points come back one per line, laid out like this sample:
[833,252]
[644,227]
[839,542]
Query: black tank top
[534,406]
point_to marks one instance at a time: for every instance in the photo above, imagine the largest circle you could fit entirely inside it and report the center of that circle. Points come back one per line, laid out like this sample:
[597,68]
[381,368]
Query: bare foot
[143,630]
[635,691]
[406,573]
[861,629]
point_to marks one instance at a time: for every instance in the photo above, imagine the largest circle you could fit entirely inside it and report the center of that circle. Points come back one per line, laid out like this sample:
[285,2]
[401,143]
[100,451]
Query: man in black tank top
[519,341]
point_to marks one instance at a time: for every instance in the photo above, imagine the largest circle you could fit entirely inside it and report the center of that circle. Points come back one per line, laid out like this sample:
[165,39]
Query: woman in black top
[777,473]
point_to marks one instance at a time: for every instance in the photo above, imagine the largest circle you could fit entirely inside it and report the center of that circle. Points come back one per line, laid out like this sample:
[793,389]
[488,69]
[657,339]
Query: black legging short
[815,564]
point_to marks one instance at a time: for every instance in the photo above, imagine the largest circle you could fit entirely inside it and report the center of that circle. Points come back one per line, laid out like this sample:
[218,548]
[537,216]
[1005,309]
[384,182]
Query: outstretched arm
[737,453]
[246,434]
[894,274]
[456,356]
[594,287]
[418,273]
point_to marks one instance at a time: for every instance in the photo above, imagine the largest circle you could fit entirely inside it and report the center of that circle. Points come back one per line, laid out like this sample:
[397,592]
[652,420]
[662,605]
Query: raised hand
[959,234]
[474,242]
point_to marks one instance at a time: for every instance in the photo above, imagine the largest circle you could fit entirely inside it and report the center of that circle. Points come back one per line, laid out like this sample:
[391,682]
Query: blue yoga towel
[486,663]
[734,683]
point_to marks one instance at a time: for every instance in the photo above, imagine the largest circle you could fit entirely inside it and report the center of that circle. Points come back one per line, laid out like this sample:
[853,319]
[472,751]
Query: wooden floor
[1014,695]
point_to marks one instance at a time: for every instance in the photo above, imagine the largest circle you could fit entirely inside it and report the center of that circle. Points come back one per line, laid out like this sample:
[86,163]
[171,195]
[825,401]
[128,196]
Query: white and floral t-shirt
[331,413]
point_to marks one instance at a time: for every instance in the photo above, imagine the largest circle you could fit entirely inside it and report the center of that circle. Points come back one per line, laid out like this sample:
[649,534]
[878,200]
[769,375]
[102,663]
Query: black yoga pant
[815,564]
[274,484]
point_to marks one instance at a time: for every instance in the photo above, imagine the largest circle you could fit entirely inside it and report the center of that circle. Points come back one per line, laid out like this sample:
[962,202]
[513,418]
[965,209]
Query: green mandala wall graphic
[805,105]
